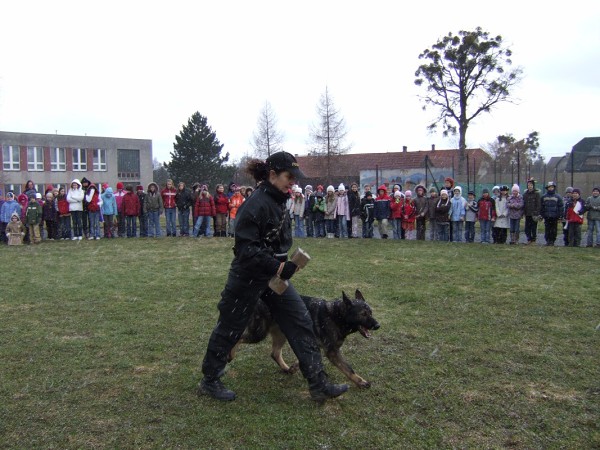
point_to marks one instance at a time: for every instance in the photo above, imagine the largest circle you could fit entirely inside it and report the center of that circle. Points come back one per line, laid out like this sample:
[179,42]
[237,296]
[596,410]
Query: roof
[352,164]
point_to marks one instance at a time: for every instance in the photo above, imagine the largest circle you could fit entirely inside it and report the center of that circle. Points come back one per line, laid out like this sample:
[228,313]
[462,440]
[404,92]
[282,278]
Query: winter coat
[487,208]
[457,207]
[131,205]
[153,200]
[330,206]
[119,199]
[442,210]
[532,203]
[396,207]
[592,204]
[75,197]
[49,212]
[142,197]
[8,208]
[409,210]
[552,206]
[15,231]
[471,209]
[33,216]
[235,202]
[205,206]
[515,207]
[575,210]
[109,203]
[298,205]
[93,199]
[422,208]
[221,202]
[502,213]
[168,197]
[183,199]
[354,203]
[63,206]
[382,204]
[319,209]
[431,205]
[367,207]
[342,207]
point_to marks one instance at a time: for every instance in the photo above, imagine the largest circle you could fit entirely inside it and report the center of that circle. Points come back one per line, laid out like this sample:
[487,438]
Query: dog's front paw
[364,384]
[292,369]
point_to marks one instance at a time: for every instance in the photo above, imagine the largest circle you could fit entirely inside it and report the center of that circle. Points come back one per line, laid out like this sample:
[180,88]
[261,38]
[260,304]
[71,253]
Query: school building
[57,159]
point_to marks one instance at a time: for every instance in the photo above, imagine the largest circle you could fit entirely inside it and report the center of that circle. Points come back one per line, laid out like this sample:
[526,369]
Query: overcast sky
[141,69]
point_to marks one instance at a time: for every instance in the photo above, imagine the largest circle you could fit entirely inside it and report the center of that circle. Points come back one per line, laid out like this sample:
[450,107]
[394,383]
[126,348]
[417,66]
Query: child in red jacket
[409,210]
[222,209]
[204,210]
[131,209]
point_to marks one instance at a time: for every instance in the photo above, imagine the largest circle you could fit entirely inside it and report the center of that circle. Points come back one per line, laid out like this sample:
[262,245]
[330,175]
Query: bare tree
[329,135]
[267,139]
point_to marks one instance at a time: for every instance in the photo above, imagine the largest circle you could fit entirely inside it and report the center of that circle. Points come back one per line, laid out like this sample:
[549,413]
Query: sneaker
[74,238]
[79,237]
[327,391]
[215,389]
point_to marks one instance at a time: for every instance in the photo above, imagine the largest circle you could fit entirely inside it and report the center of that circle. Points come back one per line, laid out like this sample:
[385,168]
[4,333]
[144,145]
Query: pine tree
[197,155]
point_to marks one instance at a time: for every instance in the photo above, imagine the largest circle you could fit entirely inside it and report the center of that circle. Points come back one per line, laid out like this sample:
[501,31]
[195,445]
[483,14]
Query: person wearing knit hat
[532,206]
[330,205]
[442,211]
[567,198]
[421,212]
[457,214]
[551,211]
[297,210]
[486,214]
[515,204]
[409,211]
[121,224]
[592,205]
[354,206]
[308,187]
[574,216]
[396,205]
[502,223]
[382,210]
[309,203]
[342,211]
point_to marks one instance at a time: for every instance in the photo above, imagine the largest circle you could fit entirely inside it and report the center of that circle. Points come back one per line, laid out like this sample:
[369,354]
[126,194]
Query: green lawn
[479,347]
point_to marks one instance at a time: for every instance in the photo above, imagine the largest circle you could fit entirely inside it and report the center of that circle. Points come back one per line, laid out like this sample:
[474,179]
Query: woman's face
[284,181]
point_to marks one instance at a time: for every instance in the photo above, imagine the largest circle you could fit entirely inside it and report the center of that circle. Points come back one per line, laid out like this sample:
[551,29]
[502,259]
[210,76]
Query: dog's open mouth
[364,331]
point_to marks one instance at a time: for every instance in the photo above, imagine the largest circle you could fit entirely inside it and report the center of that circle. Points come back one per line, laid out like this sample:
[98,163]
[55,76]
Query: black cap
[285,161]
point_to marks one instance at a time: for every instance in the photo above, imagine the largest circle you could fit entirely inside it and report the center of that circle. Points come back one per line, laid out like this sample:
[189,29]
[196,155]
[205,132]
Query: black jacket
[184,199]
[262,230]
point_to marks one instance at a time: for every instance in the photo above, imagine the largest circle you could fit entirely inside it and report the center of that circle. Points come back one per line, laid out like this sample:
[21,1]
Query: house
[426,167]
[54,159]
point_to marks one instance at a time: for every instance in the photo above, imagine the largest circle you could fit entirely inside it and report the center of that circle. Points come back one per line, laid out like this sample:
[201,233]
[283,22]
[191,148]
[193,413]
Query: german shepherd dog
[332,322]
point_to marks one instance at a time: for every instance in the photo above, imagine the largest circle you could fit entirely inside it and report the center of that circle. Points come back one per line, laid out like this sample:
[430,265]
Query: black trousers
[238,300]
[551,225]
[531,228]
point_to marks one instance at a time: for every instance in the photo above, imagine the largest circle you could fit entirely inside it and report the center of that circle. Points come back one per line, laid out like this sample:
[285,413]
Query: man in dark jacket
[552,212]
[532,204]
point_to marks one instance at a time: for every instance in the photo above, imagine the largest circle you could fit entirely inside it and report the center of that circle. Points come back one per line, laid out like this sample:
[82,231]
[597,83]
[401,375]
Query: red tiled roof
[350,165]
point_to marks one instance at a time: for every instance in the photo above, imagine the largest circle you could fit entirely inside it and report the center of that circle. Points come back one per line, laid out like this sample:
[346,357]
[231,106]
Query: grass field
[479,347]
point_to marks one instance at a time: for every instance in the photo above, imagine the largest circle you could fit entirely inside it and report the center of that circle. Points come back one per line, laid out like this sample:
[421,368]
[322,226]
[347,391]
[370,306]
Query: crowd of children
[91,212]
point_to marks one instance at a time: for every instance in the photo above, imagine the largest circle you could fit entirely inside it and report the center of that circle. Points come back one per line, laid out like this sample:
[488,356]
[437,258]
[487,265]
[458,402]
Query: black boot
[321,389]
[215,389]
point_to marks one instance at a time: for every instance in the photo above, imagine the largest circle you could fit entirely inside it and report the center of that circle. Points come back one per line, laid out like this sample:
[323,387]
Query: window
[128,165]
[79,160]
[99,160]
[11,157]
[35,159]
[58,159]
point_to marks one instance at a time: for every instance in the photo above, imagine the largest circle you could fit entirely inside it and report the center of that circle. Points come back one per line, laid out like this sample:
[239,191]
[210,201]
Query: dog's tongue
[364,332]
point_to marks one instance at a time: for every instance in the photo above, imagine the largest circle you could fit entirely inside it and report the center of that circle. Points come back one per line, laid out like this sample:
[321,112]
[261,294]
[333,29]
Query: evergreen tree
[196,155]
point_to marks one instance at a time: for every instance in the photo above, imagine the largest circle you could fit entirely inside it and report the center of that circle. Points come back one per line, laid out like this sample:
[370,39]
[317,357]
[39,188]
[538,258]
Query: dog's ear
[347,301]
[358,295]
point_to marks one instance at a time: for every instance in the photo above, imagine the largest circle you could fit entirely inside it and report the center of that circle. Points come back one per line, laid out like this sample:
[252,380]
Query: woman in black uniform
[263,238]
